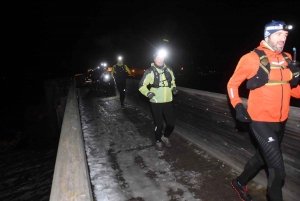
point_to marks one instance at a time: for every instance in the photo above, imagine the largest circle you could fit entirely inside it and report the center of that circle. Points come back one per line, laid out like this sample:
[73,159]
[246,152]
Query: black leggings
[160,112]
[121,86]
[268,155]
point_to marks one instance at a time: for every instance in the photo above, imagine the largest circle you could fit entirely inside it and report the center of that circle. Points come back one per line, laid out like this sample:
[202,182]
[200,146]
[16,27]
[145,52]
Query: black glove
[294,67]
[174,91]
[241,113]
[150,95]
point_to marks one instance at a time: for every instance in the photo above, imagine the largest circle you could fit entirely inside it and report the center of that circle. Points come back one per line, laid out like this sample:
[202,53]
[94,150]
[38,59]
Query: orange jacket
[271,102]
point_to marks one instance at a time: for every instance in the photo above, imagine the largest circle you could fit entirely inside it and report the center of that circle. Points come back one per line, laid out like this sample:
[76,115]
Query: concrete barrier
[71,179]
[206,119]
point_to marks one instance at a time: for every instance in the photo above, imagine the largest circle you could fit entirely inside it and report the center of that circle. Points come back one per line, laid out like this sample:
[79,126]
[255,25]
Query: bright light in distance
[106,77]
[98,67]
[104,64]
[133,71]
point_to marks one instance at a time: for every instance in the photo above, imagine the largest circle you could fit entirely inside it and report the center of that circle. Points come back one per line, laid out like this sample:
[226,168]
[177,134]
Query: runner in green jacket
[161,82]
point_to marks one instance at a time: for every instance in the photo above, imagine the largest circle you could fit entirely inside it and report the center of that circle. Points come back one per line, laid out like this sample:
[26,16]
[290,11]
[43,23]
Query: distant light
[144,70]
[133,71]
[104,64]
[181,68]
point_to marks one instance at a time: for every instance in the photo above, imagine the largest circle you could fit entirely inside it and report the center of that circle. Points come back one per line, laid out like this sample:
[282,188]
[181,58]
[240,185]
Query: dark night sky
[59,36]
[67,37]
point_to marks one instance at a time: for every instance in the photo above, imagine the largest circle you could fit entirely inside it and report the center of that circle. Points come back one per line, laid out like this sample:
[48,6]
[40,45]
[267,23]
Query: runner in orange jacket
[270,78]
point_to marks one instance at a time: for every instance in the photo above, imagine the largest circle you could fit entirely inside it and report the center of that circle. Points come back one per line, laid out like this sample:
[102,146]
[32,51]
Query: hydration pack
[157,81]
[262,76]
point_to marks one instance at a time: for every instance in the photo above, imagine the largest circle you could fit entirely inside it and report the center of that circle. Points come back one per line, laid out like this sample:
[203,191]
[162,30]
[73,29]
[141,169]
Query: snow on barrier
[206,119]
[71,177]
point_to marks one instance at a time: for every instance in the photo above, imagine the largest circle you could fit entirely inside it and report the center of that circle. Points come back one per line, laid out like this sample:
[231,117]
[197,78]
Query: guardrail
[206,119]
[71,179]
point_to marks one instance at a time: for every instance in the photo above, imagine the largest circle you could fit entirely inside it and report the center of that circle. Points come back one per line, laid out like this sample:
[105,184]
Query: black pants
[268,155]
[161,112]
[121,86]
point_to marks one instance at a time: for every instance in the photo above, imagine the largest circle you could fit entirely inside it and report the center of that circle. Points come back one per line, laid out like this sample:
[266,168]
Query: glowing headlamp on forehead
[284,27]
[288,27]
[279,27]
[161,53]
[119,58]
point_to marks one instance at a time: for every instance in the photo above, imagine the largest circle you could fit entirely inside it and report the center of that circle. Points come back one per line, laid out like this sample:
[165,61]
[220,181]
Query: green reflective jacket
[163,93]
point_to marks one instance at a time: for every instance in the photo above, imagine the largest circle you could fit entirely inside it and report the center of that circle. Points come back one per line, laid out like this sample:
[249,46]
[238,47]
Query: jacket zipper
[281,92]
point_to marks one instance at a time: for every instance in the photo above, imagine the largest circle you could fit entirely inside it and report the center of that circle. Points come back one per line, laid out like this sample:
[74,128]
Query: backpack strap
[168,75]
[288,60]
[264,61]
[166,71]
[156,78]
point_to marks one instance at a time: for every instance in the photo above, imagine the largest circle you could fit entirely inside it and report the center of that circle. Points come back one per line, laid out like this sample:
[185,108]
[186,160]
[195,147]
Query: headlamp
[106,76]
[288,27]
[279,27]
[161,53]
[120,58]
